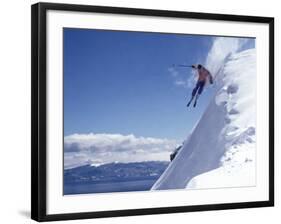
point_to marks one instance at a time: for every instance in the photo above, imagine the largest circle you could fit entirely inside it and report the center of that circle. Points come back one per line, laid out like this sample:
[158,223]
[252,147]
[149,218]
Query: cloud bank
[82,149]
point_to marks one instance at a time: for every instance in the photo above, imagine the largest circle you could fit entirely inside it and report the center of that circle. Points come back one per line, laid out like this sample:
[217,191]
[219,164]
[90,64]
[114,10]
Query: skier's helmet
[199,66]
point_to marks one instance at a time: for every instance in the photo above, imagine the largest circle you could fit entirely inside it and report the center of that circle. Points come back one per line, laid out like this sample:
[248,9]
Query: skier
[203,74]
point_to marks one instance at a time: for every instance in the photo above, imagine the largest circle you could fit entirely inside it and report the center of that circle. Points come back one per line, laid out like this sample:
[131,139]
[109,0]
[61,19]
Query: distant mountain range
[115,172]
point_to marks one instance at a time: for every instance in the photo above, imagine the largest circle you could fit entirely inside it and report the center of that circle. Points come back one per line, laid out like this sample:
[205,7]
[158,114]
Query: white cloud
[81,149]
[180,83]
[173,72]
[185,80]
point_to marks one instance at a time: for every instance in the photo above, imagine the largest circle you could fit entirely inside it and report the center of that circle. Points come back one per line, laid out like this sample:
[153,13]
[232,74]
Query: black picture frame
[39,116]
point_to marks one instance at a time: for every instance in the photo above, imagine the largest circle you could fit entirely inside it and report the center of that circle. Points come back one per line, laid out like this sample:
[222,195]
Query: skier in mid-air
[203,74]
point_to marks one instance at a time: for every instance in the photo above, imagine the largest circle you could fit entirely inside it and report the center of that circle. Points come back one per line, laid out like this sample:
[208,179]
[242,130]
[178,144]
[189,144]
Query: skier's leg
[200,90]
[201,87]
[196,98]
[194,91]
[193,94]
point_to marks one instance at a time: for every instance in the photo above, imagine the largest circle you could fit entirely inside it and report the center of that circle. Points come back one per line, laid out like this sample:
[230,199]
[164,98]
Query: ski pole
[188,66]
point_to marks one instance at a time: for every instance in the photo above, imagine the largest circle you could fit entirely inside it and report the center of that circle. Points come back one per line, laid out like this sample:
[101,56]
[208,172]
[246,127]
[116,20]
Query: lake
[106,187]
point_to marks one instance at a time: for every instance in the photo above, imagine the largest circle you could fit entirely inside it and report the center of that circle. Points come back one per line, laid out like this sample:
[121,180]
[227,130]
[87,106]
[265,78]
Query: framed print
[139,111]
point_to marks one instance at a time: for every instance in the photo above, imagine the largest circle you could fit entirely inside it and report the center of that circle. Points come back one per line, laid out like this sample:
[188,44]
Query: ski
[188,104]
[195,102]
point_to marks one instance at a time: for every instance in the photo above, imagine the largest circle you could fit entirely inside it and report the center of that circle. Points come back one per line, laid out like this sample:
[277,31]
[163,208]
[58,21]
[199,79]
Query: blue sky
[121,82]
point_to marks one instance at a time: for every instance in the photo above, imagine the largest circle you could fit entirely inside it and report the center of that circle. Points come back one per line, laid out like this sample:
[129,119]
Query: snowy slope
[221,149]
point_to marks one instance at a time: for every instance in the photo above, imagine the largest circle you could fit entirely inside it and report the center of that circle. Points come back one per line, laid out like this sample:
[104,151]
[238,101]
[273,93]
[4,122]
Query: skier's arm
[210,78]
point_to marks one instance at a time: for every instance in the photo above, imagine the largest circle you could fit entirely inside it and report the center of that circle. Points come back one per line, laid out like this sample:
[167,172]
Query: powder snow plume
[221,49]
